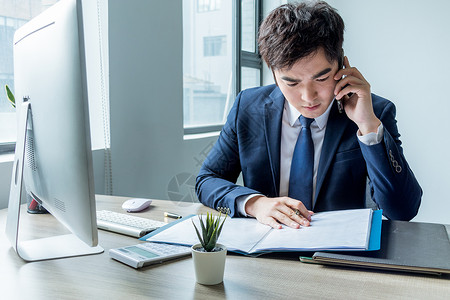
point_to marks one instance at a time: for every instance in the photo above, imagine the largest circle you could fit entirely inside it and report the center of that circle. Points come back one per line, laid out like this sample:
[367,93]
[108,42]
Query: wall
[401,47]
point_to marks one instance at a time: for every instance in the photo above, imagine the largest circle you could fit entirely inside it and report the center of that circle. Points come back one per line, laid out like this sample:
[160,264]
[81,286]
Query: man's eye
[292,84]
[323,79]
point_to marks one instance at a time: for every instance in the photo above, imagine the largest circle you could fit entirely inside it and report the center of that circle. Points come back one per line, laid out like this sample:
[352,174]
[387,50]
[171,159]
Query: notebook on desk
[405,246]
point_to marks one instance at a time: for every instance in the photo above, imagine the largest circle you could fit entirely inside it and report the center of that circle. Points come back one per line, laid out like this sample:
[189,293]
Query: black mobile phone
[341,66]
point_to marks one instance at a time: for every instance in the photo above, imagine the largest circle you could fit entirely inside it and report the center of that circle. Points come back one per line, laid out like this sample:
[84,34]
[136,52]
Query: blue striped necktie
[302,167]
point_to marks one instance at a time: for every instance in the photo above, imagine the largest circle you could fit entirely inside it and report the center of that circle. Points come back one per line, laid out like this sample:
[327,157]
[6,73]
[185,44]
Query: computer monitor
[53,149]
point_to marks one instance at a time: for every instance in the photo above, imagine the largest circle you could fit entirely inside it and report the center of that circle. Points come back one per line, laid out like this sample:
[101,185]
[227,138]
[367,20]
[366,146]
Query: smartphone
[341,66]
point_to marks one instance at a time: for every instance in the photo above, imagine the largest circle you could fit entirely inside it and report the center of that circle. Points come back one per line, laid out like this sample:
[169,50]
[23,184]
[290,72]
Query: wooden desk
[268,277]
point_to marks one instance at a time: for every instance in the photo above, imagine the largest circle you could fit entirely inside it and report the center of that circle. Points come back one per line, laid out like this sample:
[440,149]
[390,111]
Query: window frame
[246,58]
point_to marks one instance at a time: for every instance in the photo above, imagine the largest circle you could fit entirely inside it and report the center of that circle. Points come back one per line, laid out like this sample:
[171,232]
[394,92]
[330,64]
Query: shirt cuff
[241,201]
[371,138]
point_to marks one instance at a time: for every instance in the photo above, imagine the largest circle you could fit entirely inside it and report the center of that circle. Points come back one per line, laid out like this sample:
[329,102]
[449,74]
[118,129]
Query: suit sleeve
[393,185]
[216,182]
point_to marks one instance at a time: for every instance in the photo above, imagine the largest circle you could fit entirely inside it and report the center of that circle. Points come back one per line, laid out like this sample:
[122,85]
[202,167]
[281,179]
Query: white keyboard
[126,224]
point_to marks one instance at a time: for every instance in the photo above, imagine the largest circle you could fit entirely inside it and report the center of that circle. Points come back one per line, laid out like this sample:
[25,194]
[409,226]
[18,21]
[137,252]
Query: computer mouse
[136,204]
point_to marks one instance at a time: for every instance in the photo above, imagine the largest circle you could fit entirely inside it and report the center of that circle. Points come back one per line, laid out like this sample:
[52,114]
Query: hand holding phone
[353,91]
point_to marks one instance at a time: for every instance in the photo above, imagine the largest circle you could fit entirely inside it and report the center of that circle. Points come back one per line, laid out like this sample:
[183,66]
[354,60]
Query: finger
[297,218]
[347,72]
[302,220]
[271,222]
[287,219]
[289,216]
[346,62]
[346,84]
[295,204]
[354,89]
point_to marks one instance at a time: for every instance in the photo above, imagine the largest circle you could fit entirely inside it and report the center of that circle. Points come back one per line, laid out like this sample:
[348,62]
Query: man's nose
[309,93]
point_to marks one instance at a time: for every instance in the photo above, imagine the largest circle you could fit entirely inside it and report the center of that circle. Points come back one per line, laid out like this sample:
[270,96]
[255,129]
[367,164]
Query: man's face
[309,84]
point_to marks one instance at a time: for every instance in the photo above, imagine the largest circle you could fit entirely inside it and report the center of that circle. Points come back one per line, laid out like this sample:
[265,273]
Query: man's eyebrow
[321,73]
[286,78]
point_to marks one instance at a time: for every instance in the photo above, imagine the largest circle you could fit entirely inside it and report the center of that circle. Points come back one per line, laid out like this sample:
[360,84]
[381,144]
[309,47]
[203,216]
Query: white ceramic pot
[209,266]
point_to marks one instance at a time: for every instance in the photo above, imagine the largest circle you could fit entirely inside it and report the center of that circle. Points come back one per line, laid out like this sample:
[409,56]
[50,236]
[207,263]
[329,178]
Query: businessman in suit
[272,132]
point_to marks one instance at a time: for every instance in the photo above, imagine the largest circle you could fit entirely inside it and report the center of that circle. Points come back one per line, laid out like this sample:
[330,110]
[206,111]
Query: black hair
[294,31]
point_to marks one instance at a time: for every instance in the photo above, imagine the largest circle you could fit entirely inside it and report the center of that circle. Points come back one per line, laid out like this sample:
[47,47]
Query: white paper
[238,234]
[343,230]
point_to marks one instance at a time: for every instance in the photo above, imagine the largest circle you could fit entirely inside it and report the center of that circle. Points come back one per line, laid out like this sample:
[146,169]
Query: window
[214,45]
[220,57]
[208,5]
[250,77]
[13,14]
[208,56]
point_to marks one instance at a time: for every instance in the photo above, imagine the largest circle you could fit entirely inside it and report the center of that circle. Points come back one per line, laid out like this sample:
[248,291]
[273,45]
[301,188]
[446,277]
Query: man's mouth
[314,107]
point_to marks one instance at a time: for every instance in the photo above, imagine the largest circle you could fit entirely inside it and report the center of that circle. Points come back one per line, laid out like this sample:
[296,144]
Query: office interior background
[164,74]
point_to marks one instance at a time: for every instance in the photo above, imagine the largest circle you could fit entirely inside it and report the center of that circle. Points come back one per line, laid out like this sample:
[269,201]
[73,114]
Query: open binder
[345,230]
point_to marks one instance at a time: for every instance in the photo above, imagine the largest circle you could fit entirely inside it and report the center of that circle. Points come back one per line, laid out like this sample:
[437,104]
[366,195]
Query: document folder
[346,230]
[405,246]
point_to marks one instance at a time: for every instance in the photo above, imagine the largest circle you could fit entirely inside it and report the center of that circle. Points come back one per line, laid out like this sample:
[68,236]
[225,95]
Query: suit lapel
[273,112]
[335,129]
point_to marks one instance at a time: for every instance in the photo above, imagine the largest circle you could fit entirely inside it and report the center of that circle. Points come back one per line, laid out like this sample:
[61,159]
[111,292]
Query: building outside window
[215,45]
[220,58]
[208,5]
[208,81]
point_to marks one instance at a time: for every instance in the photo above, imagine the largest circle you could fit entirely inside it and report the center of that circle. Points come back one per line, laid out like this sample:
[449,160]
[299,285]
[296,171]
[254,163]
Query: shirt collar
[293,114]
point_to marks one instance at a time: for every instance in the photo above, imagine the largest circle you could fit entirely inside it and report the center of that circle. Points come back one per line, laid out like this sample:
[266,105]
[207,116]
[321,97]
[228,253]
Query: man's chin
[312,113]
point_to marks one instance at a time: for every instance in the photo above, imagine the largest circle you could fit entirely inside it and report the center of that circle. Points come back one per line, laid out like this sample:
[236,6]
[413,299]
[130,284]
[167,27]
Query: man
[290,169]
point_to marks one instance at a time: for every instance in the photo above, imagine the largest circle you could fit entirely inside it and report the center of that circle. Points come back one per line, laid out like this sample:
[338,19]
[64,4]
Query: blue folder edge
[374,240]
[375,231]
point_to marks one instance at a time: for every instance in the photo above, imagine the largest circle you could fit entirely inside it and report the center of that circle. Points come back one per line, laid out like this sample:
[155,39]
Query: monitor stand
[39,249]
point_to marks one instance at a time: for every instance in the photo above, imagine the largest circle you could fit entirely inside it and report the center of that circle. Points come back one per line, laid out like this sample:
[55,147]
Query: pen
[172,215]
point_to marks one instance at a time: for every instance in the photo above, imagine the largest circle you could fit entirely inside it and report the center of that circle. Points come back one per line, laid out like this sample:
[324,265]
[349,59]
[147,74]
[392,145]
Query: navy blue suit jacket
[250,143]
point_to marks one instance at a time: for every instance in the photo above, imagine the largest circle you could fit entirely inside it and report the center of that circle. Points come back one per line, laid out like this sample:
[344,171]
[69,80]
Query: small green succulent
[10,96]
[210,230]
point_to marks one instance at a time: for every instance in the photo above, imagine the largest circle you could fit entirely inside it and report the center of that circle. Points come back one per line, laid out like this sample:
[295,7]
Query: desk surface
[272,276]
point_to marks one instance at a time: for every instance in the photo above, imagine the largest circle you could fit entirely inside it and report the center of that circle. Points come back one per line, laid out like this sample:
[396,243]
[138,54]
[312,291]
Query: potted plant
[208,255]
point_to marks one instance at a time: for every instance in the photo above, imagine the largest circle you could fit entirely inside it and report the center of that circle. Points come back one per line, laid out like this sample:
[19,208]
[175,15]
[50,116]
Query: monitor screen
[50,79]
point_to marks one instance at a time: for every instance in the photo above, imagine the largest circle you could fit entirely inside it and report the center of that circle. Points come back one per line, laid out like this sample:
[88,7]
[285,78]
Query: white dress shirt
[290,129]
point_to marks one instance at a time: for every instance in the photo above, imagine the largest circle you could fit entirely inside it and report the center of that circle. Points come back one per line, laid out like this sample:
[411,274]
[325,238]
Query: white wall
[402,49]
